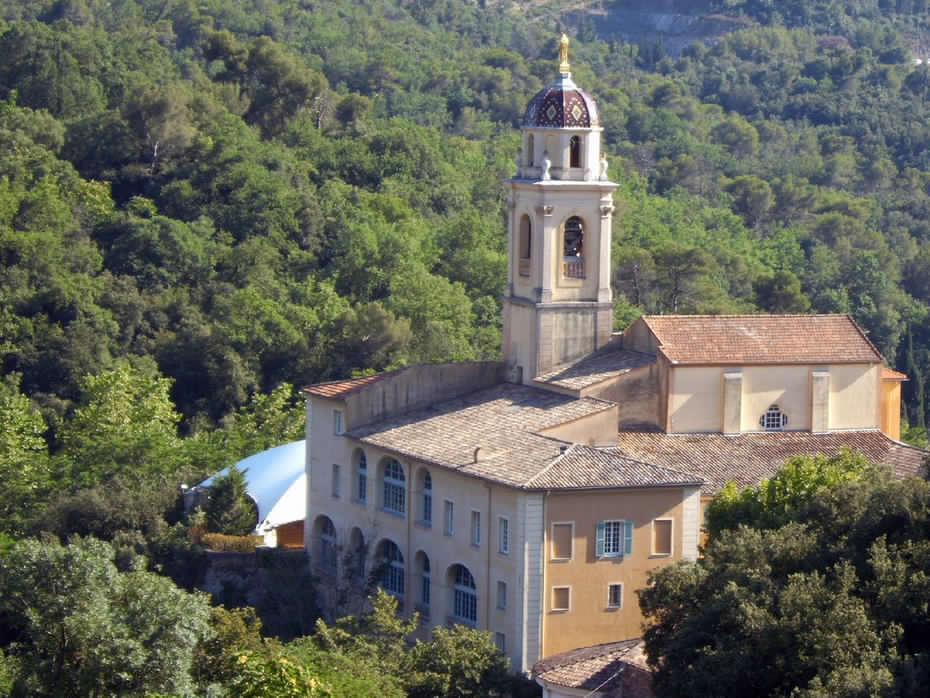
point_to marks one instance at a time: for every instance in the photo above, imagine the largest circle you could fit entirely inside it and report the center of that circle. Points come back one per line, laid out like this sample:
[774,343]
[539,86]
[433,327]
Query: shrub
[221,543]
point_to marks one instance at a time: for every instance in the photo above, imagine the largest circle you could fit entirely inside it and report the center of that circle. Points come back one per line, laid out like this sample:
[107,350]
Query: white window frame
[337,480]
[501,594]
[394,490]
[621,544]
[503,535]
[476,528]
[465,599]
[338,424]
[571,555]
[671,541]
[448,517]
[393,576]
[568,608]
[773,419]
[610,603]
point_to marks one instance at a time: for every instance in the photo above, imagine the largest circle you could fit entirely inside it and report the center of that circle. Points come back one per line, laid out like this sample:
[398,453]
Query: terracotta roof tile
[889,374]
[761,339]
[586,467]
[748,458]
[602,668]
[501,421]
[595,368]
[344,387]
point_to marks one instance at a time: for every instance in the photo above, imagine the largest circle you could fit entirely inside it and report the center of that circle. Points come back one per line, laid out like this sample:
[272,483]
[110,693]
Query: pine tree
[230,510]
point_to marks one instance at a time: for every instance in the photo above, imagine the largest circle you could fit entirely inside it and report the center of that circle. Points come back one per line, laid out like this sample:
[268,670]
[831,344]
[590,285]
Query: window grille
[362,478]
[773,419]
[465,601]
[395,493]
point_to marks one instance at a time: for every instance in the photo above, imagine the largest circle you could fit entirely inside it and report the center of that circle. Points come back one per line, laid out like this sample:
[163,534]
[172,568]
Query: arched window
[530,147]
[357,555]
[426,501]
[326,536]
[361,484]
[526,237]
[773,419]
[573,266]
[395,488]
[425,581]
[464,596]
[574,152]
[392,573]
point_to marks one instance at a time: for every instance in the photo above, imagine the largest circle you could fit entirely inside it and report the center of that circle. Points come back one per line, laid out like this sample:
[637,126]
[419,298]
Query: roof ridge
[865,337]
[653,465]
[551,464]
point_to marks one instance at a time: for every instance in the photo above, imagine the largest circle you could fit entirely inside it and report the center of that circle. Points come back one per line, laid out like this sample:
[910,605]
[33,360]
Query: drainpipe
[487,601]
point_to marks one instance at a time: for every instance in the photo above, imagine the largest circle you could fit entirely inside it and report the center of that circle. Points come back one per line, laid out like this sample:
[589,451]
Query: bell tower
[558,306]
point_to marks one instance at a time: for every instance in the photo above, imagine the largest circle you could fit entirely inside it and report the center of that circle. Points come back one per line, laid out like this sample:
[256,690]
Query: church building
[531,496]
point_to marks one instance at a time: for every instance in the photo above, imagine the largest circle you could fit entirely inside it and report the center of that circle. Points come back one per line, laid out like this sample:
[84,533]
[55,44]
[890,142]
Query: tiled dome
[561,105]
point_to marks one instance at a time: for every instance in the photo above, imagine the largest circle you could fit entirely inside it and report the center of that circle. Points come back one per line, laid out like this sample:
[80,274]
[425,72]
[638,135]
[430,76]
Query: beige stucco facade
[590,618]
[492,561]
[697,396]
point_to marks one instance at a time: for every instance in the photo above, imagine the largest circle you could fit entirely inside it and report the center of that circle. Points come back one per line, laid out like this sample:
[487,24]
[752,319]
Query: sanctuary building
[530,497]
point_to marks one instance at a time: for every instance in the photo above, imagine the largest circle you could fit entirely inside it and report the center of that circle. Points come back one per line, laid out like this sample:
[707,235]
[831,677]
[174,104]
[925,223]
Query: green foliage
[821,604]
[774,502]
[80,627]
[236,632]
[457,661]
[229,509]
[223,543]
[24,466]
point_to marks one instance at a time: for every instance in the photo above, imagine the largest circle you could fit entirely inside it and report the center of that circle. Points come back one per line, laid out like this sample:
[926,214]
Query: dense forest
[205,204]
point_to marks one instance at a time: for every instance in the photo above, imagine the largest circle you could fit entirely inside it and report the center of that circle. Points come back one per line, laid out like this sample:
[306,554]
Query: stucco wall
[638,394]
[638,337]
[412,534]
[589,621]
[417,386]
[599,429]
[519,337]
[695,401]
[855,396]
[891,408]
[785,386]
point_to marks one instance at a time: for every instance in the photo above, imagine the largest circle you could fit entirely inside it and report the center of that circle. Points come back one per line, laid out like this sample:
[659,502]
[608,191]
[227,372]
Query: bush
[221,543]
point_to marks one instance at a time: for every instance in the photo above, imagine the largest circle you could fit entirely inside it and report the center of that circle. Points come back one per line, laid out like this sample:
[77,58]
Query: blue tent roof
[276,482]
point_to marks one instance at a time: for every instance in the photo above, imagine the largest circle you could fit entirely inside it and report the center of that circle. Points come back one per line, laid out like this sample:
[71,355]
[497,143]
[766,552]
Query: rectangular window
[662,537]
[476,528]
[615,595]
[502,595]
[562,539]
[503,535]
[337,481]
[337,422]
[561,598]
[500,640]
[362,484]
[449,518]
[614,538]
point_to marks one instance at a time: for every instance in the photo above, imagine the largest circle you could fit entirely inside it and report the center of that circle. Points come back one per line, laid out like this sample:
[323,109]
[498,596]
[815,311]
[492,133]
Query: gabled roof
[749,457]
[889,374]
[761,339]
[344,387]
[586,467]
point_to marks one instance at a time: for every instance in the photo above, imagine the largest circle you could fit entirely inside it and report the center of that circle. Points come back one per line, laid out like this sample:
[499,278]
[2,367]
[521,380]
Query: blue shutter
[599,547]
[627,537]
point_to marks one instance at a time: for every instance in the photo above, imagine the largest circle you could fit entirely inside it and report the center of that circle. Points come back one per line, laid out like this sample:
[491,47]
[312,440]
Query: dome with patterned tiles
[561,105]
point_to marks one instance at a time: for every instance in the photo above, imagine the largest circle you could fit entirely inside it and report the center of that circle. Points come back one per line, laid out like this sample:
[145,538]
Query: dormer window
[574,152]
[773,419]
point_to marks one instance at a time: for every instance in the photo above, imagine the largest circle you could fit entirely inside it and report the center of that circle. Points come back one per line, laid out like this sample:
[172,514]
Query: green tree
[457,661]
[229,509]
[24,465]
[80,627]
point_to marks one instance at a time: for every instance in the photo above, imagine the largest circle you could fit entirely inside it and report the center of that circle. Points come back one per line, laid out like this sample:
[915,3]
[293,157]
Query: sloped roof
[595,368]
[602,668]
[889,374]
[749,457]
[501,421]
[344,387]
[276,482]
[585,467]
[761,339]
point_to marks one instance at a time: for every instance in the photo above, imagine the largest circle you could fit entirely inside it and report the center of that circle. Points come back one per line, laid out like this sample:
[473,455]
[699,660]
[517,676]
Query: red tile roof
[761,339]
[748,458]
[614,668]
[889,374]
[344,387]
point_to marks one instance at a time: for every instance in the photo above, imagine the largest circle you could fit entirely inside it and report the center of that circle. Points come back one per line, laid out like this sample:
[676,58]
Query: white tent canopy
[276,482]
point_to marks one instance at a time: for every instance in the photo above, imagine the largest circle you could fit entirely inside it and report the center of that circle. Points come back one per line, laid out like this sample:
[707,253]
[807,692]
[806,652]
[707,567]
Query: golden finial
[563,54]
